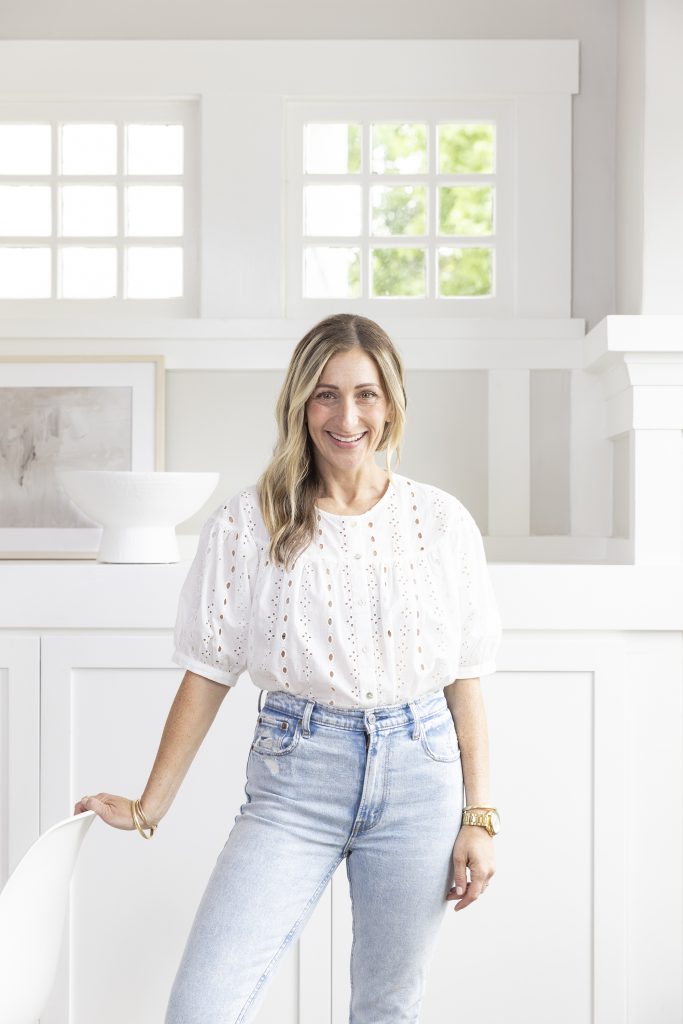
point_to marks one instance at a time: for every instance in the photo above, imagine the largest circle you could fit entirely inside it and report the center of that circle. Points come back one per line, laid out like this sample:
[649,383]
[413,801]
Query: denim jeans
[382,789]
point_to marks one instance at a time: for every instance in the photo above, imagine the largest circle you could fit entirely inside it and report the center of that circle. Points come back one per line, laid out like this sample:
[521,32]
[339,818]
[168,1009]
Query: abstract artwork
[41,428]
[63,413]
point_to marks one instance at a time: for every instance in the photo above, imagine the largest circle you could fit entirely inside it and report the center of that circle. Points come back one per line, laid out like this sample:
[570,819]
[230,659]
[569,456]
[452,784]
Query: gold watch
[486,816]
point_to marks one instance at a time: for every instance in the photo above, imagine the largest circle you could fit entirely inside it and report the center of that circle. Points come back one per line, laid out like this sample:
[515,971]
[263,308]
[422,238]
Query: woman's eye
[323,394]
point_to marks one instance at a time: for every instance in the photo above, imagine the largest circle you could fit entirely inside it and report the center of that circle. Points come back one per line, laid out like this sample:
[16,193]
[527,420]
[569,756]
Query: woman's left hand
[474,849]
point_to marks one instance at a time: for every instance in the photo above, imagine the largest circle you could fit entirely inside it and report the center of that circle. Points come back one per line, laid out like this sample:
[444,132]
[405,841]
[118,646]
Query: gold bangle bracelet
[137,823]
[143,817]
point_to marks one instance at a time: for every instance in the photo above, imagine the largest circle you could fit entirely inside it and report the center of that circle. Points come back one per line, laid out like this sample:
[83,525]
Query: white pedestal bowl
[138,511]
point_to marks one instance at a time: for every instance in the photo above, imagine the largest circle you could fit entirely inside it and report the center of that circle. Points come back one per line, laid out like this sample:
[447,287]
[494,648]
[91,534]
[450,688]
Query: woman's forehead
[354,361]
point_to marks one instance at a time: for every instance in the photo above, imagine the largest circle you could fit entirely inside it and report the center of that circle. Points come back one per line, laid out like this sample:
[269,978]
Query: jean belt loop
[416,719]
[260,698]
[306,731]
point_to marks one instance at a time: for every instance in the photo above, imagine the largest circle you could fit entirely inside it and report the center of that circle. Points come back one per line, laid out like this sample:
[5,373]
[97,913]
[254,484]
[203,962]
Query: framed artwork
[75,412]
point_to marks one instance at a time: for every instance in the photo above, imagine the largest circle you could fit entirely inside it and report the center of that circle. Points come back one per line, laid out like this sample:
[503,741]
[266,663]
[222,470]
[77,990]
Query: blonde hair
[288,487]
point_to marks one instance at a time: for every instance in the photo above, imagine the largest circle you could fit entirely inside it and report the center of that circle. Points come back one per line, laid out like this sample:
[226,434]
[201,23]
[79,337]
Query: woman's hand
[114,810]
[474,849]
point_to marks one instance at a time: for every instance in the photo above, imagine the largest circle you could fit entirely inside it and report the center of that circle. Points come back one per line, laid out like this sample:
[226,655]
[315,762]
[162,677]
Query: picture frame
[76,412]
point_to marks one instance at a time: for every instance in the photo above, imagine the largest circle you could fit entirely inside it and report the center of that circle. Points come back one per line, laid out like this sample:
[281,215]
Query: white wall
[242,83]
[629,156]
[663,158]
[594,24]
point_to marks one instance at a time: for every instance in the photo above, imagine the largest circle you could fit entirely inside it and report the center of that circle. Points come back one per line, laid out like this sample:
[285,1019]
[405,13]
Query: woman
[359,600]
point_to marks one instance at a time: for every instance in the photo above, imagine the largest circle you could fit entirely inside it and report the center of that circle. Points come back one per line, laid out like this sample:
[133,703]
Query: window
[98,207]
[403,205]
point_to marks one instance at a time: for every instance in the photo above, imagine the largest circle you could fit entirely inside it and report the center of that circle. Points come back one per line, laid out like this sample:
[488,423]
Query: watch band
[487,817]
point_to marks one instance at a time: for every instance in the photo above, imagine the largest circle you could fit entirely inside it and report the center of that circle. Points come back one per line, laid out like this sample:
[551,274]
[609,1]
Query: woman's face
[348,400]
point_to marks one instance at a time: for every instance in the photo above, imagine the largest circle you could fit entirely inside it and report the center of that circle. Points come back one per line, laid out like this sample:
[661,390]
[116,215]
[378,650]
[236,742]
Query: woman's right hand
[114,810]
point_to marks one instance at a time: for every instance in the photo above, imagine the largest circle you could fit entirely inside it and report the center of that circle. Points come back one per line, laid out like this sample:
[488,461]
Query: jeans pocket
[439,738]
[275,734]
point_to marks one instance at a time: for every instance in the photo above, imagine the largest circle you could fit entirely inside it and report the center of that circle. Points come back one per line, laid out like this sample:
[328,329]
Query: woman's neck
[352,496]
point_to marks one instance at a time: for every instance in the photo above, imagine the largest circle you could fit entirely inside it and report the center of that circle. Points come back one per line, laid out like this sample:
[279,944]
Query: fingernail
[459,890]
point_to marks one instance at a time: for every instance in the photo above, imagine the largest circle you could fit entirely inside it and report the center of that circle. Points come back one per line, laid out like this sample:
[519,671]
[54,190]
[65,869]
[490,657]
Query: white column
[640,363]
[649,157]
[509,453]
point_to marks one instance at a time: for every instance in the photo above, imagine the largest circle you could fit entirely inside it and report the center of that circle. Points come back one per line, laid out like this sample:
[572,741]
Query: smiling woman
[354,596]
[343,399]
[345,416]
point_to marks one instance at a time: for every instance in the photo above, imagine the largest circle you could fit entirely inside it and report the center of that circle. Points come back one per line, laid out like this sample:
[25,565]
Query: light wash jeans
[381,788]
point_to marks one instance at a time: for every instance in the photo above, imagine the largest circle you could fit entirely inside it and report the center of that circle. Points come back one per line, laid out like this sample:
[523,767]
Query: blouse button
[369,695]
[358,555]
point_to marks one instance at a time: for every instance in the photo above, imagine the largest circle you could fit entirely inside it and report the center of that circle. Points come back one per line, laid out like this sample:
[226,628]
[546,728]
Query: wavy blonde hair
[288,487]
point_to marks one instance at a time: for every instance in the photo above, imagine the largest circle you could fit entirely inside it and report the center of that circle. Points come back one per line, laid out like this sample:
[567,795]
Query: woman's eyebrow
[370,384]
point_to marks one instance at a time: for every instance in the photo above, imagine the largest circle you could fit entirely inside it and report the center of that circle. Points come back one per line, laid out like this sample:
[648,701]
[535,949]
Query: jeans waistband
[360,719]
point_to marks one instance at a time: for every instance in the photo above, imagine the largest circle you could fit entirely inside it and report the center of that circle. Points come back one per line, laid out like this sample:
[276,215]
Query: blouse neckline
[360,515]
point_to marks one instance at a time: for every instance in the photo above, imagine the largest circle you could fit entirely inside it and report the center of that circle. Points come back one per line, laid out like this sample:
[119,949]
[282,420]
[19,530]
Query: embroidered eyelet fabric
[381,607]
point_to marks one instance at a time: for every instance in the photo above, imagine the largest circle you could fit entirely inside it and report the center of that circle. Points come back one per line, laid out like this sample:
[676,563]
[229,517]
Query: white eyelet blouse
[381,608]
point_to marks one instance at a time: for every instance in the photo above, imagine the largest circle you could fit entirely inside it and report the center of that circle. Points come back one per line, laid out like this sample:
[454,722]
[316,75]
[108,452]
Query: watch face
[495,822]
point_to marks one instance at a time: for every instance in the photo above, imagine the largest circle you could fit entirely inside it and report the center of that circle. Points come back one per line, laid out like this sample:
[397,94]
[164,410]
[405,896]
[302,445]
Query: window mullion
[431,256]
[55,253]
[366,170]
[120,210]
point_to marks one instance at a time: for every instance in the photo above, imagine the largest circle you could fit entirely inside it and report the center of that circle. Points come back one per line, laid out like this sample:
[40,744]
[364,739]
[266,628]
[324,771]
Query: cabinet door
[105,699]
[19,748]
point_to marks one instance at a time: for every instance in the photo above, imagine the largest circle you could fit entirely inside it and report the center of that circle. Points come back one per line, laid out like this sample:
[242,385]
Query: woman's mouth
[351,442]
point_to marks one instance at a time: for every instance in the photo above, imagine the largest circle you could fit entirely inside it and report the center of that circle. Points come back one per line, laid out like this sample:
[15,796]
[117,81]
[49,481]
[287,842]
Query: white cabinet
[82,711]
[584,718]
[19,747]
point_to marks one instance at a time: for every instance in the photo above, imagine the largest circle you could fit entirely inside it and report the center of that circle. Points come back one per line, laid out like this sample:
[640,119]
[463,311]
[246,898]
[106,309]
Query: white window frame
[39,110]
[433,112]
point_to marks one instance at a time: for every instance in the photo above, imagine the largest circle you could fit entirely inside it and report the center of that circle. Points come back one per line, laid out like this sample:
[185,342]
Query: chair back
[33,905]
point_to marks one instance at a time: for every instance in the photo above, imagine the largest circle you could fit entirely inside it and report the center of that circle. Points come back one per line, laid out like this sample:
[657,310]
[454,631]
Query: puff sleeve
[211,635]
[481,628]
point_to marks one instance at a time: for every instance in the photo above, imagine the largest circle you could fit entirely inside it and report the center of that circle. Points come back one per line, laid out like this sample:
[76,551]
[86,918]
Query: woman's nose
[349,415]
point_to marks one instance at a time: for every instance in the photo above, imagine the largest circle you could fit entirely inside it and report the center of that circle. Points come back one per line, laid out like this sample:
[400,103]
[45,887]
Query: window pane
[88,210]
[400,210]
[154,148]
[465,271]
[332,148]
[88,149]
[465,210]
[331,272]
[25,210]
[87,273]
[398,272]
[25,148]
[400,148]
[154,273]
[154,210]
[332,210]
[24,273]
[466,148]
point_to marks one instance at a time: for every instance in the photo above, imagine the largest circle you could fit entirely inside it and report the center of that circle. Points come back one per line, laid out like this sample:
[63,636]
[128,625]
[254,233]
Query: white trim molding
[243,88]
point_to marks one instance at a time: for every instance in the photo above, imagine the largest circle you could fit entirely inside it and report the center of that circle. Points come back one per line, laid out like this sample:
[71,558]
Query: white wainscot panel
[551,928]
[104,703]
[19,748]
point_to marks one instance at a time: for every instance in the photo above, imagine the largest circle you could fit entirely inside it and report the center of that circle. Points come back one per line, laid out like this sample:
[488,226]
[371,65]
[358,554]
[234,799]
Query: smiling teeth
[346,438]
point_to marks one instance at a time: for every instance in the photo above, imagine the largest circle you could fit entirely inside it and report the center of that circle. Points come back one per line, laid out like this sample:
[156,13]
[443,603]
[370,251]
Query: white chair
[33,907]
